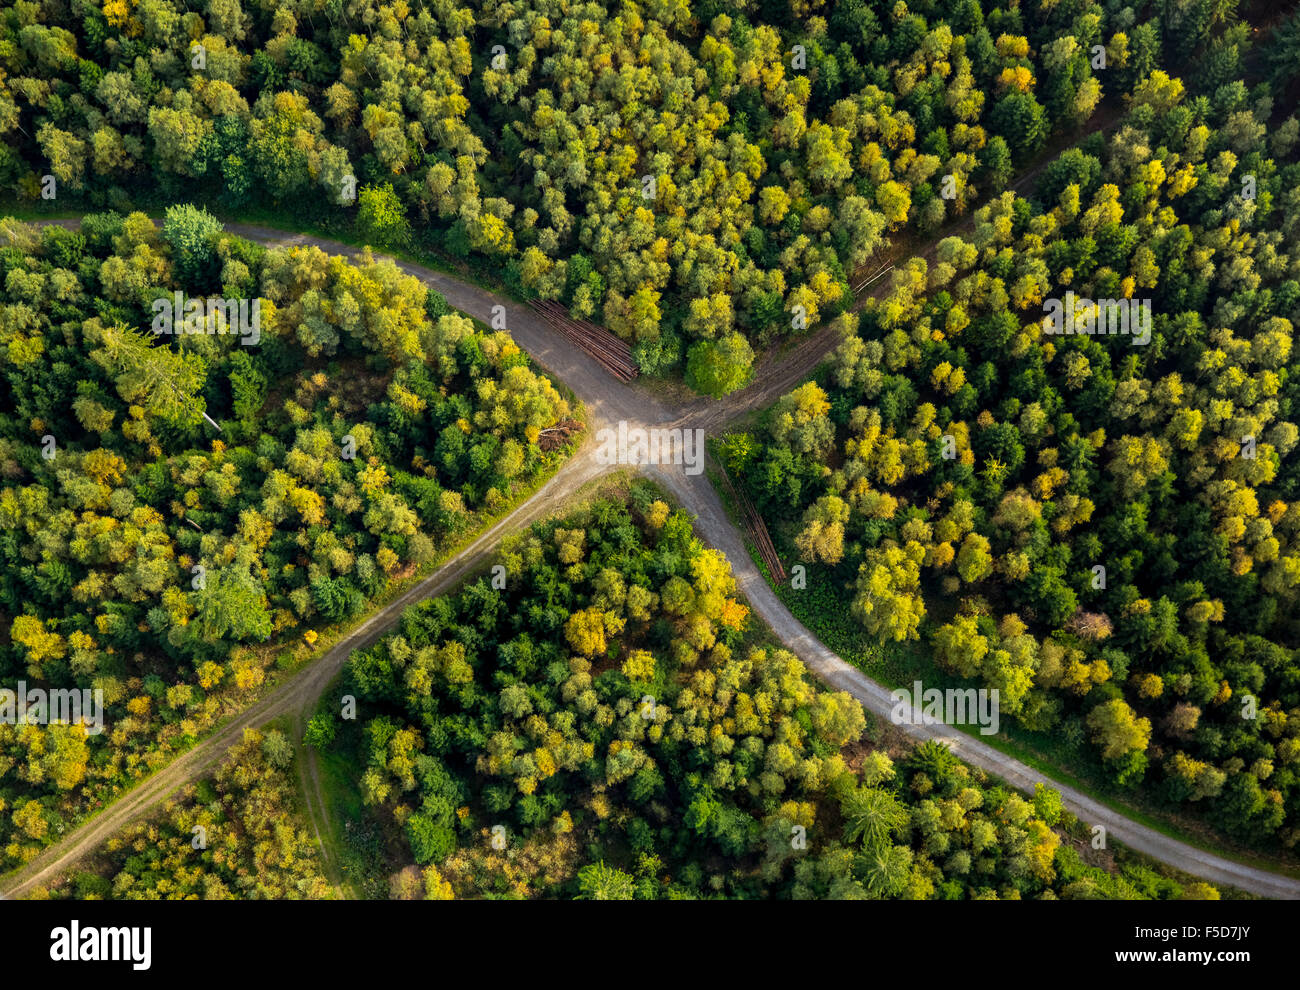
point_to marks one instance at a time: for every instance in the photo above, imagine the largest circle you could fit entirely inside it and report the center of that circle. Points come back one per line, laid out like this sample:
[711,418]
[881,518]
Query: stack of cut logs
[612,352]
[757,529]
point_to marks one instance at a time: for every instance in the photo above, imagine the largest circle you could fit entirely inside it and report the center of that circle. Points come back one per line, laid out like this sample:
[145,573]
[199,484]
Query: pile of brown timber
[757,529]
[612,352]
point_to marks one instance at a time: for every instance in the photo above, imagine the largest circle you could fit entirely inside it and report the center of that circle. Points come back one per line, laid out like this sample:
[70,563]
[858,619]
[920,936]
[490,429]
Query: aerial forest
[984,309]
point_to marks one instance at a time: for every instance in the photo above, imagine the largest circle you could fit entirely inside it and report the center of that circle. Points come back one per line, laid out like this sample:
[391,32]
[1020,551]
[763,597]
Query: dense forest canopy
[1105,530]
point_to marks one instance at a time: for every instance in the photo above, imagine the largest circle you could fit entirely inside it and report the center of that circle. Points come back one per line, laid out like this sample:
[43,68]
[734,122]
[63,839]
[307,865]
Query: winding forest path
[608,401]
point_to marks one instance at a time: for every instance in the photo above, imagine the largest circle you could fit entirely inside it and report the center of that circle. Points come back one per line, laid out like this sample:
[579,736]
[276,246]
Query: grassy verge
[350,834]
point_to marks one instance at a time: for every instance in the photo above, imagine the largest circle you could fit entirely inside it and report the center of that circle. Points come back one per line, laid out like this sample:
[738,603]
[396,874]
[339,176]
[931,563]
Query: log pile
[611,352]
[757,529]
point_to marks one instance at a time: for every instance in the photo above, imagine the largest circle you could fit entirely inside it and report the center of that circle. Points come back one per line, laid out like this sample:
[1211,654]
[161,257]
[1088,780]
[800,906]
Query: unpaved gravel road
[607,402]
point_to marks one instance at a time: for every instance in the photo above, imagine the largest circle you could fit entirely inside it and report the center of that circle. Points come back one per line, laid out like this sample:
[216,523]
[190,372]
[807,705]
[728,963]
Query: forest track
[608,401]
[312,795]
